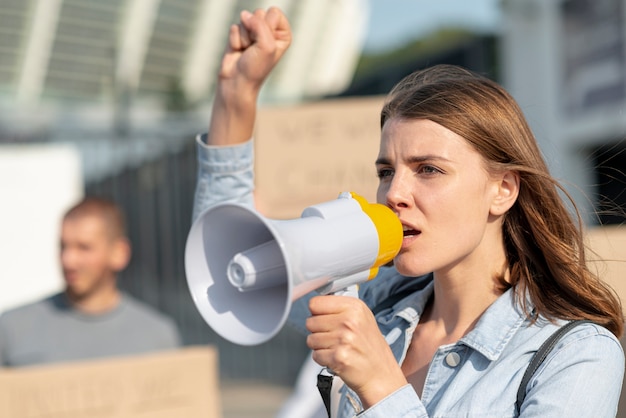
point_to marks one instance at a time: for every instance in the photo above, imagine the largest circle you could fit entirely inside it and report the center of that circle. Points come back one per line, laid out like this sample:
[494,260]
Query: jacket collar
[496,327]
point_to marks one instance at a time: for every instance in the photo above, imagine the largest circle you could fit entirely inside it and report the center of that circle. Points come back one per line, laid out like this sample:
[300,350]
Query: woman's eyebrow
[414,159]
[424,158]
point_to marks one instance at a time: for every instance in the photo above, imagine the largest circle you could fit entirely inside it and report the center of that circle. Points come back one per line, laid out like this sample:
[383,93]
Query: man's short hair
[105,209]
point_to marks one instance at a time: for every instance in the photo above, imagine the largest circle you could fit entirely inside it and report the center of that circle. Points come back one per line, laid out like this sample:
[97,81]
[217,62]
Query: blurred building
[565,62]
[157,52]
[88,71]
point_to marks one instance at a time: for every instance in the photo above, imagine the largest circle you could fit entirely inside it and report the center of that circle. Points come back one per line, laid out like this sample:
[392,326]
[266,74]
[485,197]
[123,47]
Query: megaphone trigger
[352,291]
[244,270]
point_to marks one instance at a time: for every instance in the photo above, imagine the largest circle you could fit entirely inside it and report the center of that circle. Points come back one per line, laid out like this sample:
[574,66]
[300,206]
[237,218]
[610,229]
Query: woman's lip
[410,234]
[409,229]
[407,240]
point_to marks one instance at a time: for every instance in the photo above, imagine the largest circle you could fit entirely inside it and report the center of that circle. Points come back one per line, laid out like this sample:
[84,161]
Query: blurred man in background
[92,317]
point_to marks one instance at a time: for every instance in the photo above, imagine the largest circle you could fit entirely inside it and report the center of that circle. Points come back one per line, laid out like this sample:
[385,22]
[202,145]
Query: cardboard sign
[608,259]
[180,383]
[308,154]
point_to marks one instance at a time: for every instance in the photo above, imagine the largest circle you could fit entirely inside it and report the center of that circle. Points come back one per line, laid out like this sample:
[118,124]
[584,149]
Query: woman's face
[440,189]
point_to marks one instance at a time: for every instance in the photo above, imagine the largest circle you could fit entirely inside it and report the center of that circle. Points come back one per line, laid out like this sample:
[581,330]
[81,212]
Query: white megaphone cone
[244,270]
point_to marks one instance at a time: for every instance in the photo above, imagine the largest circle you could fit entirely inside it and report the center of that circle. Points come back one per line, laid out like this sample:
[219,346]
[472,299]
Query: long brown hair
[544,243]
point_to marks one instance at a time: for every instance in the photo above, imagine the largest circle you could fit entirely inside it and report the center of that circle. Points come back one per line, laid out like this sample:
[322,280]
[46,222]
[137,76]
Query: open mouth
[409,232]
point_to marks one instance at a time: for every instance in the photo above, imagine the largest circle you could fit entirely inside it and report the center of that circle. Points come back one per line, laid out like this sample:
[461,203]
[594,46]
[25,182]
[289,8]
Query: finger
[244,32]
[234,38]
[320,323]
[278,23]
[321,305]
[335,357]
[257,30]
[273,17]
[244,36]
[340,325]
[329,304]
[318,341]
[323,357]
[260,14]
[251,21]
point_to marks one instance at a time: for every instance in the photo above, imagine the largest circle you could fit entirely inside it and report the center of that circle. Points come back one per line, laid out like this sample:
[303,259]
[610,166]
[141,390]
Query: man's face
[89,255]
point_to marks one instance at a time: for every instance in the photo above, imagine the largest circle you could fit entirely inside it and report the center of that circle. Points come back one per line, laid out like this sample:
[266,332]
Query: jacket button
[453,359]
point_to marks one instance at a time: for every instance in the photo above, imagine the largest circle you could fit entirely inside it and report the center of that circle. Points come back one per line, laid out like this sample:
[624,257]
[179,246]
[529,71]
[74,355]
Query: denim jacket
[479,375]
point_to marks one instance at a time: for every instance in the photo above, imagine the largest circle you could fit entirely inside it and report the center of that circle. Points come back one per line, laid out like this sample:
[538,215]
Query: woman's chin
[409,269]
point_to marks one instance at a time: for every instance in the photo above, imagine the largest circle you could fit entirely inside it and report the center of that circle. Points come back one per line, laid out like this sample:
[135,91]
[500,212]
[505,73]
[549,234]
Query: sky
[394,22]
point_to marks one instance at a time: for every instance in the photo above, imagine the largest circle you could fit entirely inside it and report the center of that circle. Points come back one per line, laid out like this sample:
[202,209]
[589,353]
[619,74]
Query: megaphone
[244,270]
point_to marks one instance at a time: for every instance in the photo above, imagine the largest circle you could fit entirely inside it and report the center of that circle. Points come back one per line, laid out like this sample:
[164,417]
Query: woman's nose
[397,194]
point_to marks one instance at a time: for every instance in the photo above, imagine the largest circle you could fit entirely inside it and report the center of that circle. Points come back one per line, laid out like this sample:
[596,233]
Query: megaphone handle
[326,375]
[352,290]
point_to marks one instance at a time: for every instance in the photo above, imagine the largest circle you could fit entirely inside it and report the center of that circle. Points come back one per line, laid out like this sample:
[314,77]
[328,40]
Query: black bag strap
[325,386]
[539,357]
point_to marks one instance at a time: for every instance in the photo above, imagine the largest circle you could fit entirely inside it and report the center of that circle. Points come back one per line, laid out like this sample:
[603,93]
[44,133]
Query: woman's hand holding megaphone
[345,338]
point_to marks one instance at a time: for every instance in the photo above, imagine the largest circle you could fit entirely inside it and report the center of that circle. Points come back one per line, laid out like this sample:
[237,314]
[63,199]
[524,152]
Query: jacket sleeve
[225,174]
[582,377]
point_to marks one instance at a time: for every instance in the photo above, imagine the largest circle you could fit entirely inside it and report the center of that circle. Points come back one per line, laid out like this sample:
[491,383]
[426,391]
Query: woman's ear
[506,194]
[120,256]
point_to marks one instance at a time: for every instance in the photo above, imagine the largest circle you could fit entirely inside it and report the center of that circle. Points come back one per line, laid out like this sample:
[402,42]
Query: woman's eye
[428,169]
[384,173]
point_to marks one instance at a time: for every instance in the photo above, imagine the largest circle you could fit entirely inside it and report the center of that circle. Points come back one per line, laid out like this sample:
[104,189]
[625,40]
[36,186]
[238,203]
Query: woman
[494,260]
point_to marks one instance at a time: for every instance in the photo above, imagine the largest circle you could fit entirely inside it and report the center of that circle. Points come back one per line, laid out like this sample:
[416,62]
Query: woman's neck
[461,298]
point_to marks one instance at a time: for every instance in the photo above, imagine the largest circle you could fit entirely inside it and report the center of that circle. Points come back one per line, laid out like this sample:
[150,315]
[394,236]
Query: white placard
[38,183]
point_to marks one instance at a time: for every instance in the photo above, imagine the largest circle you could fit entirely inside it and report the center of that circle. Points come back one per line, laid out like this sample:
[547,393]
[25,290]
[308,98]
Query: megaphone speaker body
[245,270]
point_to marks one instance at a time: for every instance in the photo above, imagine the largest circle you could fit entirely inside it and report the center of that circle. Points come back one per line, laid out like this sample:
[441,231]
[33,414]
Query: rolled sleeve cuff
[224,159]
[225,174]
[403,403]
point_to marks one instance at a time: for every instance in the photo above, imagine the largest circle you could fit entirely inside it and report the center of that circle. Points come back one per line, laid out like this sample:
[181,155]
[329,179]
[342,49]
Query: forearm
[233,114]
